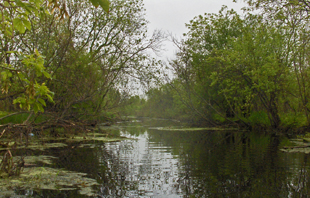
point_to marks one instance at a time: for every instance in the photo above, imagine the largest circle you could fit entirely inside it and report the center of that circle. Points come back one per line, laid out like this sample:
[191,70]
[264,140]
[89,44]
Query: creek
[162,158]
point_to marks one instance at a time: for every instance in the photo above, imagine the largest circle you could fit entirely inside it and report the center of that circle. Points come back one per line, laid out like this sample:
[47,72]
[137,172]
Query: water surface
[167,163]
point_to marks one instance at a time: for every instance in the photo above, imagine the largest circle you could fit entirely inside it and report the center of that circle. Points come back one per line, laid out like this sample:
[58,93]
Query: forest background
[70,64]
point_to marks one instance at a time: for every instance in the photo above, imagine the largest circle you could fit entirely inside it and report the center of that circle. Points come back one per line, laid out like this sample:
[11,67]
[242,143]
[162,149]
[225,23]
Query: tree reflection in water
[188,164]
[208,164]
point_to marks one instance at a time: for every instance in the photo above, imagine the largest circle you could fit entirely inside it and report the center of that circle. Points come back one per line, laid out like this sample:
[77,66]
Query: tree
[21,71]
[91,56]
[88,59]
[255,68]
[197,60]
[236,67]
[293,18]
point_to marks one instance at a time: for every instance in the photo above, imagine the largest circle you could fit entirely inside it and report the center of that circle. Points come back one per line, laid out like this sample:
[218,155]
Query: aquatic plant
[10,168]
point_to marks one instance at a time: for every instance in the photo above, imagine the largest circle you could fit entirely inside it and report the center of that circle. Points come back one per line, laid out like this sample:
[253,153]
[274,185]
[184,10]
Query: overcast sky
[171,15]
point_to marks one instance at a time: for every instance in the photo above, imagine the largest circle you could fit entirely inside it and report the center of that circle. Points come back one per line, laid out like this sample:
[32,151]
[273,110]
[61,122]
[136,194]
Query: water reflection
[210,164]
[149,168]
[158,163]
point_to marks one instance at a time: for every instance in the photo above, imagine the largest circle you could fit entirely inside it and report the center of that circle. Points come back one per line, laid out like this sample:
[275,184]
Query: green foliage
[249,70]
[21,117]
[133,106]
[3,113]
[32,68]
[219,118]
[259,118]
[105,4]
[35,102]
[15,119]
[15,16]
[22,69]
[293,120]
[74,64]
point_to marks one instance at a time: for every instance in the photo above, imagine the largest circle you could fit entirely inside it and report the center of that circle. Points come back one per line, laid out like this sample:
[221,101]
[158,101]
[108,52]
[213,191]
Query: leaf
[40,107]
[20,3]
[10,52]
[27,24]
[50,98]
[6,4]
[42,101]
[47,75]
[104,4]
[9,74]
[19,100]
[8,32]
[21,76]
[4,75]
[35,108]
[19,25]
[36,51]
[95,3]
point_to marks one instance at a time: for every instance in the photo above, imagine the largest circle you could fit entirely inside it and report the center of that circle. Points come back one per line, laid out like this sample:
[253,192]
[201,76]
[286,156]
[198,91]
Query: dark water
[186,164]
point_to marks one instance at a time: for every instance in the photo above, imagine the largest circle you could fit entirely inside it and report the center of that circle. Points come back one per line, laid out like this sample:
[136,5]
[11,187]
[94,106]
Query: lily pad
[51,179]
[191,129]
[41,158]
[297,150]
[298,146]
[95,136]
[39,146]
[87,146]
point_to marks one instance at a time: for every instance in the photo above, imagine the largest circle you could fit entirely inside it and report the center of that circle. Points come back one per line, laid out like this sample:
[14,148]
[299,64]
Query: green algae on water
[190,129]
[95,137]
[49,179]
[38,146]
[297,146]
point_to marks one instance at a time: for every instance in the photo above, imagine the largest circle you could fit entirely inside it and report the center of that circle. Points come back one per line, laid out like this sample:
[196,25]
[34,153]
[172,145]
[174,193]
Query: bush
[259,118]
[293,119]
[219,118]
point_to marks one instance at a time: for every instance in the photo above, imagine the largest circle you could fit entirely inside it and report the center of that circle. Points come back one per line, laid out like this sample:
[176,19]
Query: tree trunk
[273,111]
